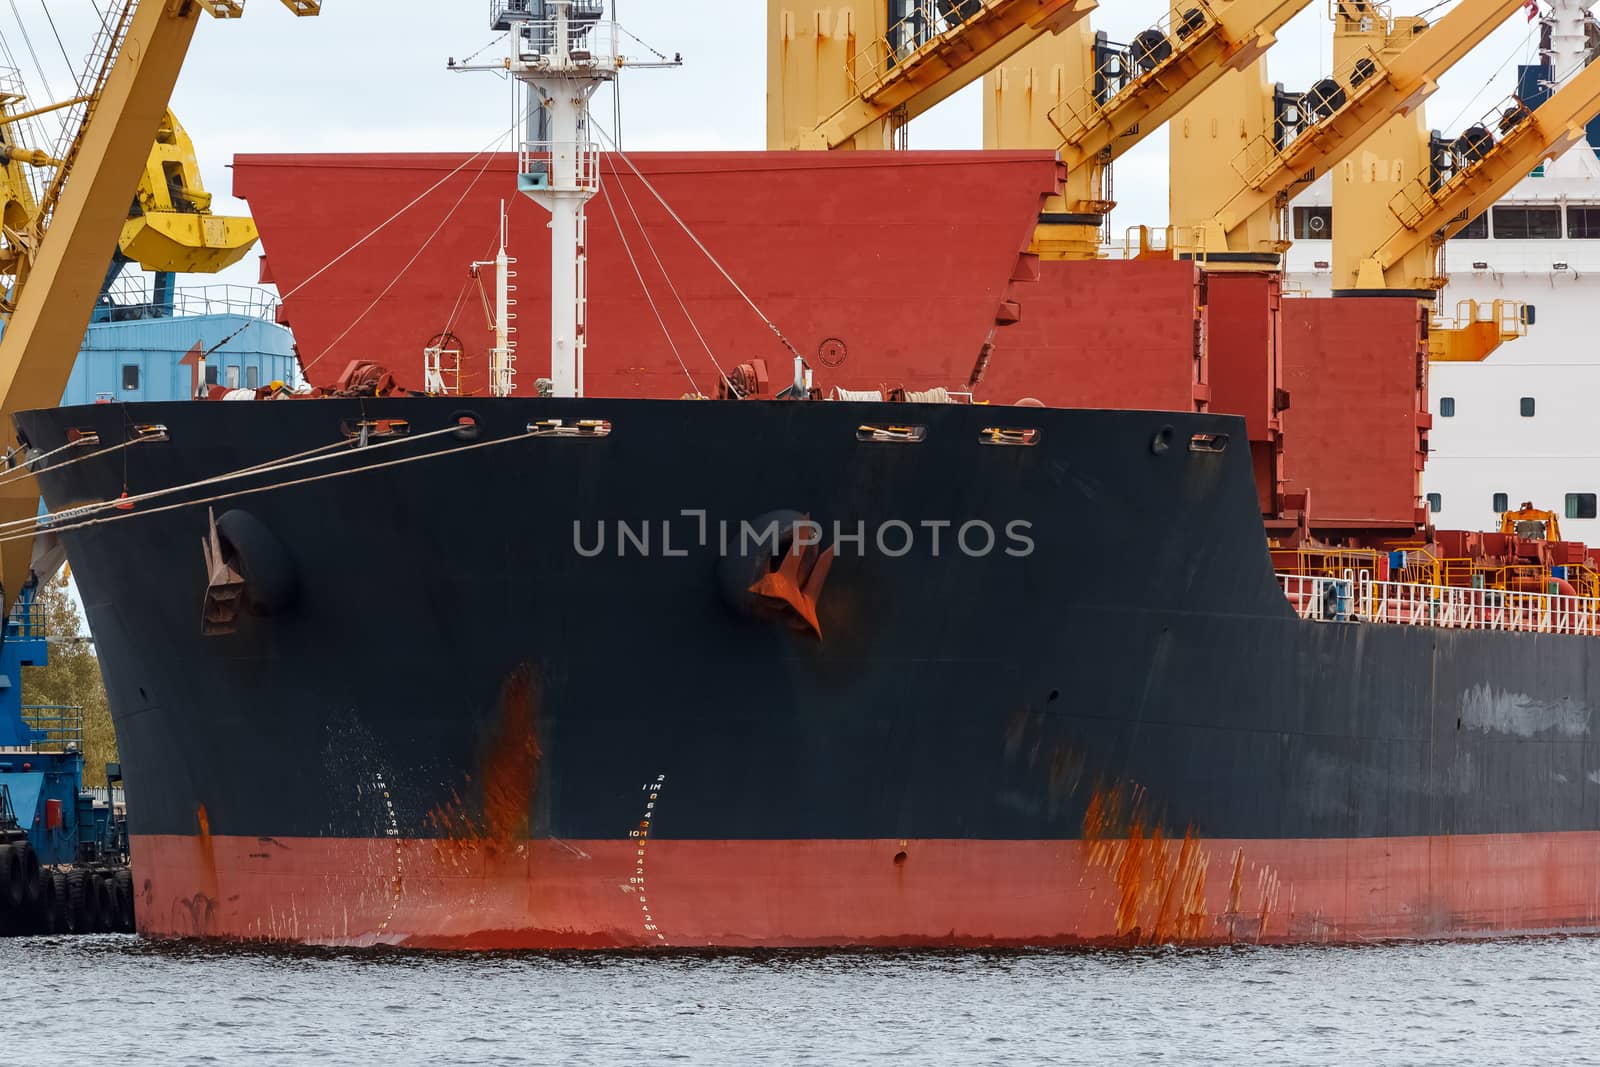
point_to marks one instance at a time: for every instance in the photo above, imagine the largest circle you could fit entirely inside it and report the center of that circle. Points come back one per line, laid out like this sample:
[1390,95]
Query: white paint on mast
[562,52]
[504,347]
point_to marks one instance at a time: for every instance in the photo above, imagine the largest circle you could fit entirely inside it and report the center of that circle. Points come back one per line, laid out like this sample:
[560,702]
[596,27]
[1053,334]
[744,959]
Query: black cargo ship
[532,673]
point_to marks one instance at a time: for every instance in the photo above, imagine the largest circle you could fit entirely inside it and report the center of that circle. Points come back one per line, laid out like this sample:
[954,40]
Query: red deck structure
[881,268]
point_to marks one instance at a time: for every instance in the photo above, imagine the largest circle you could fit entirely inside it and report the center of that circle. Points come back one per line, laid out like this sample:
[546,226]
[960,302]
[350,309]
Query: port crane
[1467,175]
[852,75]
[1388,67]
[1092,99]
[62,255]
[170,229]
[1399,250]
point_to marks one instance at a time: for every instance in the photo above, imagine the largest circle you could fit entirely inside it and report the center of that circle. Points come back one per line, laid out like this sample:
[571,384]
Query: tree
[73,677]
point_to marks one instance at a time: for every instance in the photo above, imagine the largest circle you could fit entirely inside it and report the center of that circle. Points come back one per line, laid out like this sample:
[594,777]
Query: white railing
[1357,598]
[131,300]
[561,166]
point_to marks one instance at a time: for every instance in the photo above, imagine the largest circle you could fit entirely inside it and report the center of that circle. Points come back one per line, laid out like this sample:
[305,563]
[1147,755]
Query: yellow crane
[1487,160]
[1093,100]
[171,227]
[1260,154]
[62,256]
[852,74]
[1394,241]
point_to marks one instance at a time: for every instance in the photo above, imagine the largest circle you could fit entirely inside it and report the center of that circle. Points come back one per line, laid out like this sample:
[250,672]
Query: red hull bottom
[739,894]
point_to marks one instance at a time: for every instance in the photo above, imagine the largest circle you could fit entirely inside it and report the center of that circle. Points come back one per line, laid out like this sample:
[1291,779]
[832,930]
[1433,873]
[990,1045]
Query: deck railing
[130,301]
[1358,598]
[60,726]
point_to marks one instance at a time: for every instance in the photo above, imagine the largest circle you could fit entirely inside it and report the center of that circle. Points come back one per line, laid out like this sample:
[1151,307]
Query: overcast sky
[370,76]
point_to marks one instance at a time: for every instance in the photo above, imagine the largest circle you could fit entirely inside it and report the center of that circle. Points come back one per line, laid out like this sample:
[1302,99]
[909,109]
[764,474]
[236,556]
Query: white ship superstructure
[1519,426]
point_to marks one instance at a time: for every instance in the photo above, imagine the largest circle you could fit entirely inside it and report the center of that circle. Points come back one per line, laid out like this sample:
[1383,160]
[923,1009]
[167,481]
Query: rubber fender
[94,915]
[107,894]
[12,887]
[79,921]
[269,573]
[59,904]
[31,890]
[46,914]
[749,558]
[122,881]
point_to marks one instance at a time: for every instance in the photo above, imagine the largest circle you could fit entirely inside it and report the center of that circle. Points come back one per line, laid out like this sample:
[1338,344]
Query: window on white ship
[130,376]
[1476,230]
[1583,221]
[230,377]
[1313,223]
[1447,407]
[1502,503]
[1580,505]
[1526,405]
[1527,223]
[252,377]
[1435,502]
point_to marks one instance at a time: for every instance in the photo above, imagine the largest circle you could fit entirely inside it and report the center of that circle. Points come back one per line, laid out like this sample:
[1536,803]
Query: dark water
[117,999]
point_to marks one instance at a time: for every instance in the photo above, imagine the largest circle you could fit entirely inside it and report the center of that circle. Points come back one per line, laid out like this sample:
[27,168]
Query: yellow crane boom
[1365,91]
[1172,64]
[1428,216]
[134,65]
[849,75]
[1093,100]
[172,227]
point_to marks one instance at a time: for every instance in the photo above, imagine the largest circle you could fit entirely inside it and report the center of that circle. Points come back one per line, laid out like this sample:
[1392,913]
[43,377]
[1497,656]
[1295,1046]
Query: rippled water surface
[118,999]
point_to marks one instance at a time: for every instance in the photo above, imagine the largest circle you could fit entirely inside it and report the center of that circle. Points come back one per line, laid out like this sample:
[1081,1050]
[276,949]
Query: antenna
[562,52]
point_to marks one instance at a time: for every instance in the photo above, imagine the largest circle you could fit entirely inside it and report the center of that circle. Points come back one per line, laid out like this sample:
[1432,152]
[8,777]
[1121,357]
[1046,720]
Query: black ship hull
[494,688]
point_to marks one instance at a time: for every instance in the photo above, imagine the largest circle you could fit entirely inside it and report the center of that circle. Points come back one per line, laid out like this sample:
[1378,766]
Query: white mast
[561,52]
[503,357]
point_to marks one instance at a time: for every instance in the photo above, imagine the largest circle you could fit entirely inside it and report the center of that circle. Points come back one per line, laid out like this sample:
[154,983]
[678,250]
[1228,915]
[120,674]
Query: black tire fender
[122,881]
[12,887]
[60,905]
[32,891]
[79,920]
[44,914]
[106,893]
[269,572]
